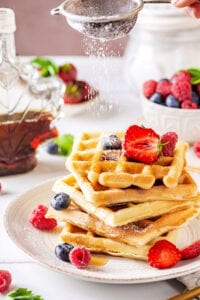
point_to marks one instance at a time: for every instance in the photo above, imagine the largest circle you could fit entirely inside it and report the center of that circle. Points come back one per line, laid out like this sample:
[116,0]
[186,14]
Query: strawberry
[141,144]
[163,254]
[78,91]
[191,251]
[67,72]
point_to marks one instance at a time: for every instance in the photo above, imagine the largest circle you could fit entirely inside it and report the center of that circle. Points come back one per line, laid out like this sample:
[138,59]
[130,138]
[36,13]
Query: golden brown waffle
[97,244]
[111,168]
[135,233]
[125,213]
[103,196]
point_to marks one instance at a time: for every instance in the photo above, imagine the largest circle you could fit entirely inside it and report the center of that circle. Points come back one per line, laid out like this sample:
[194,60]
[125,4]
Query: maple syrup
[20,135]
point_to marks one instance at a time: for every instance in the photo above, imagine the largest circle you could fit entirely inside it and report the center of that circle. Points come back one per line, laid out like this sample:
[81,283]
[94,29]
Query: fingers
[182,3]
[194,10]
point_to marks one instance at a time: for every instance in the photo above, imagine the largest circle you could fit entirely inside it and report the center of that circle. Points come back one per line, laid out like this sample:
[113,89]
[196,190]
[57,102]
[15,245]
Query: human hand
[192,7]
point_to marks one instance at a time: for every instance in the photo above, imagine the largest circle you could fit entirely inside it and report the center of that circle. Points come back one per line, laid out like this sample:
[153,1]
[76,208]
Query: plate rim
[74,273]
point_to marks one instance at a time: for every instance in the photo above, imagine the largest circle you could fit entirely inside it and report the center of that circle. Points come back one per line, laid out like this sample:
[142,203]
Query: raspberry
[189,105]
[163,254]
[198,89]
[196,149]
[183,75]
[80,257]
[164,88]
[169,140]
[39,221]
[191,251]
[5,280]
[149,88]
[182,90]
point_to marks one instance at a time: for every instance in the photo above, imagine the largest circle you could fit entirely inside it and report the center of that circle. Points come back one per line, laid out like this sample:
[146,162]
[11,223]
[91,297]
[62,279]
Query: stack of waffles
[121,207]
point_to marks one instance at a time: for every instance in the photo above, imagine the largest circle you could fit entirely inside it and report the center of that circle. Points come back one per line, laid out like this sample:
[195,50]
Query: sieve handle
[162,1]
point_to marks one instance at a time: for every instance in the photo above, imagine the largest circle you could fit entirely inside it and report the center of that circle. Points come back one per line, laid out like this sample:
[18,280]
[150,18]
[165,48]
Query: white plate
[71,110]
[40,245]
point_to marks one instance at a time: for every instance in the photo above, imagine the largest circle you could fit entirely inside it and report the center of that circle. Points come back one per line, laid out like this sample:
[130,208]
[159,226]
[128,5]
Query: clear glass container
[164,40]
[29,105]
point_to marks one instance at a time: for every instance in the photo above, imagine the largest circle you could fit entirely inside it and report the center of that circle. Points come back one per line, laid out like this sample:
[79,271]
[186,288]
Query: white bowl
[185,122]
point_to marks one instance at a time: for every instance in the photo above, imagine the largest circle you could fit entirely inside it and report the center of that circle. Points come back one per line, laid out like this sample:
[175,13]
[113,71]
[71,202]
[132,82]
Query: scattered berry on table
[188,105]
[191,251]
[169,140]
[52,148]
[171,101]
[78,91]
[80,257]
[156,98]
[111,142]
[39,221]
[164,88]
[196,148]
[149,88]
[0,186]
[5,280]
[62,251]
[141,144]
[163,254]
[60,201]
[67,72]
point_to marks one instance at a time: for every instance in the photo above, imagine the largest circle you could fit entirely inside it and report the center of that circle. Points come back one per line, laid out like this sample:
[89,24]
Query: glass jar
[164,40]
[28,104]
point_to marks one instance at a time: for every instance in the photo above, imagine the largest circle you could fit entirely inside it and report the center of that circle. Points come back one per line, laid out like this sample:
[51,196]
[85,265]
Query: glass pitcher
[29,104]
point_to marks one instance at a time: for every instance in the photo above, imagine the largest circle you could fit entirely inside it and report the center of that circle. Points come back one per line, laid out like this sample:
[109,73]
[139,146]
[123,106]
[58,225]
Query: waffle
[134,233]
[123,214]
[112,169]
[97,244]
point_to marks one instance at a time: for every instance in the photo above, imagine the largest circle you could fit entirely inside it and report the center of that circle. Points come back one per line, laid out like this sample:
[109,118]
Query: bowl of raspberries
[173,104]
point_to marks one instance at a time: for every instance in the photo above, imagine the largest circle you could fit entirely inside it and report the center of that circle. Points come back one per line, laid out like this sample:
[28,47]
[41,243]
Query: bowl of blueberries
[173,104]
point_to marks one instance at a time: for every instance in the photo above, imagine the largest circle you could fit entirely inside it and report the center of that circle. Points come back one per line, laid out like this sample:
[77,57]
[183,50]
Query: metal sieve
[102,19]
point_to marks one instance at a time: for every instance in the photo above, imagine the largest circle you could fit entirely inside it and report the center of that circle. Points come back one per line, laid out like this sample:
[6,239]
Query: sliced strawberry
[78,91]
[141,144]
[67,72]
[163,254]
[191,251]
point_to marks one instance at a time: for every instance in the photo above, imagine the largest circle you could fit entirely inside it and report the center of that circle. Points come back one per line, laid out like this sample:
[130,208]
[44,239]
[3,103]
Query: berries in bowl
[173,104]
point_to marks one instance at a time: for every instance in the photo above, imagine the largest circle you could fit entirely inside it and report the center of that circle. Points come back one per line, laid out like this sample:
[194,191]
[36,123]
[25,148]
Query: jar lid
[7,20]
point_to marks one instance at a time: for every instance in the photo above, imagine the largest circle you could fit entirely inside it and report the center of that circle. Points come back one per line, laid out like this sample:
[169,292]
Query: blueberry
[52,148]
[156,98]
[195,98]
[111,142]
[62,251]
[163,79]
[60,201]
[171,101]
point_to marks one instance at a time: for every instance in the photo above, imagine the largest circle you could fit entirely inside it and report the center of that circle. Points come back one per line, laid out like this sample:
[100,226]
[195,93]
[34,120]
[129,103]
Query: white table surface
[26,272]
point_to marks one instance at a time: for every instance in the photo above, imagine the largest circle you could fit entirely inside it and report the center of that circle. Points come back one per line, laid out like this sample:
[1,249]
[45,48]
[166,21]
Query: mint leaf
[46,66]
[195,75]
[23,294]
[65,143]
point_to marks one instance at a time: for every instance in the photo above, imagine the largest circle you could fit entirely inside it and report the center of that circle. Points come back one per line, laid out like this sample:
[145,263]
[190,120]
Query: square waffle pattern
[120,207]
[111,168]
[120,214]
[83,161]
